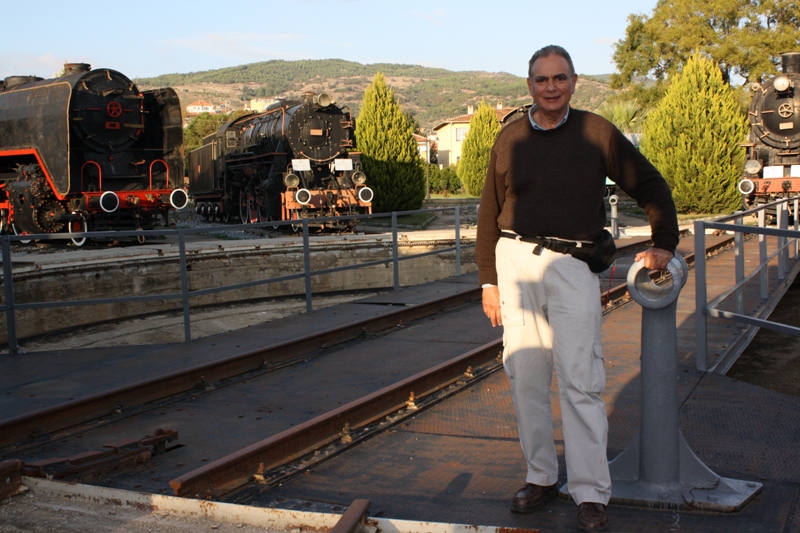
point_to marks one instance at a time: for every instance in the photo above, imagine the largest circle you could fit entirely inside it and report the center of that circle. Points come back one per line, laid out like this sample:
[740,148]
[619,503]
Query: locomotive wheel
[17,232]
[263,215]
[244,208]
[48,217]
[271,219]
[78,226]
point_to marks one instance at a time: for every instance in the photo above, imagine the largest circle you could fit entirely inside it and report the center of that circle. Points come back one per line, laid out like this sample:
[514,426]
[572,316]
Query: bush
[444,180]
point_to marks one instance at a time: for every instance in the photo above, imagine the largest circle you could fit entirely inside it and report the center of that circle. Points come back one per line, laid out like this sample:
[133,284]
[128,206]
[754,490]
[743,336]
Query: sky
[147,38]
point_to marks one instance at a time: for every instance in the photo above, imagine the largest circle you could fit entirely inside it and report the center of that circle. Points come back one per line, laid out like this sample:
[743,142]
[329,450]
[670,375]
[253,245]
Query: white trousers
[551,311]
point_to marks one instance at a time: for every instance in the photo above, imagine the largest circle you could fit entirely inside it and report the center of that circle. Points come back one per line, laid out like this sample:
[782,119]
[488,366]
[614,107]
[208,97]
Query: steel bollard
[658,469]
[613,200]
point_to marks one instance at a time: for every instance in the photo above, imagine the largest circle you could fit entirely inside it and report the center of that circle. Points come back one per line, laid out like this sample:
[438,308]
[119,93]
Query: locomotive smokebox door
[106,112]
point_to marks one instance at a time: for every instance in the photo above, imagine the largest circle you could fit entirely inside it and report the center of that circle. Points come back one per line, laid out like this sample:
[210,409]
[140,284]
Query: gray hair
[548,51]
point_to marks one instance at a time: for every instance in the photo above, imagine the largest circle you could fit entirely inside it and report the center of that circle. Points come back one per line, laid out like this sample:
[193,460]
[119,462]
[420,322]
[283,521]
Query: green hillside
[430,94]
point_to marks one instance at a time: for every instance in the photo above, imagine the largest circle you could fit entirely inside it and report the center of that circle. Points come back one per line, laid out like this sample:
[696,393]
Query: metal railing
[756,288]
[10,307]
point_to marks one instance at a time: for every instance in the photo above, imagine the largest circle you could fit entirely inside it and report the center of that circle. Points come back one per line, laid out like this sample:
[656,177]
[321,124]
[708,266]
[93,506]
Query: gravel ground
[46,513]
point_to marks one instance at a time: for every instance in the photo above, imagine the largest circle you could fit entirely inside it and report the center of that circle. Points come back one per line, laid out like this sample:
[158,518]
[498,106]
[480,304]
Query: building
[425,145]
[450,134]
[200,106]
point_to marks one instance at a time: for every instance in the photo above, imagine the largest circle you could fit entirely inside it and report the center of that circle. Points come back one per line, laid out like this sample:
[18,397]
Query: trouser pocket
[597,377]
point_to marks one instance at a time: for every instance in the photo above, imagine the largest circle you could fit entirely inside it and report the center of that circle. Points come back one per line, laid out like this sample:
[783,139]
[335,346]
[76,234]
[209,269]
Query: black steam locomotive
[88,152]
[291,162]
[772,164]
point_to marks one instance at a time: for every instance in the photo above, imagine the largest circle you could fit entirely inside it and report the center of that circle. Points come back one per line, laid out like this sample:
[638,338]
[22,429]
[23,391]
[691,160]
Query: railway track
[254,419]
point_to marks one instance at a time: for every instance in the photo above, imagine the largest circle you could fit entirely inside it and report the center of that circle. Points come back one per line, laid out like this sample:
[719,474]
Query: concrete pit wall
[226,264]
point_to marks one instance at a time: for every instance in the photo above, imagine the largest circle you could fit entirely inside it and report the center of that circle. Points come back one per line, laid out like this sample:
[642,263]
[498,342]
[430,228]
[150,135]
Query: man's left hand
[654,258]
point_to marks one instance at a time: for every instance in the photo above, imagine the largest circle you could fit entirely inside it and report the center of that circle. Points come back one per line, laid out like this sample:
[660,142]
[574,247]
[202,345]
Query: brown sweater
[552,183]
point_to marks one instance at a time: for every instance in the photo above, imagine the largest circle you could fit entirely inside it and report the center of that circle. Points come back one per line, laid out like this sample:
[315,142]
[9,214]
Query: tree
[389,152]
[692,136]
[477,147]
[625,115]
[744,38]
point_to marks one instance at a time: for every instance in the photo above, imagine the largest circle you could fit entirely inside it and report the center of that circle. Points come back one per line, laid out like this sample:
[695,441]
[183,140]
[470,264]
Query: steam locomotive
[291,162]
[772,163]
[87,151]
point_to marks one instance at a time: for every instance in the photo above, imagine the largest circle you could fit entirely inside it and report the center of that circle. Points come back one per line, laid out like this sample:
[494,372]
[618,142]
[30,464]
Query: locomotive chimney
[76,68]
[308,98]
[790,62]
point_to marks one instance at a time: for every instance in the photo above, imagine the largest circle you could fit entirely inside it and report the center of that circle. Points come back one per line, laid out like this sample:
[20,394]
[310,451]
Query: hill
[429,94]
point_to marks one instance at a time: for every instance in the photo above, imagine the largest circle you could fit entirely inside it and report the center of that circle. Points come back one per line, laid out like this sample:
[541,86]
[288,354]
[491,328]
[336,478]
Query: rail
[754,294]
[9,307]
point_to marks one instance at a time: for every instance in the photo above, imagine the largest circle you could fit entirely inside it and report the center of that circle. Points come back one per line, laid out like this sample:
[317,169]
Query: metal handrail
[787,253]
[10,307]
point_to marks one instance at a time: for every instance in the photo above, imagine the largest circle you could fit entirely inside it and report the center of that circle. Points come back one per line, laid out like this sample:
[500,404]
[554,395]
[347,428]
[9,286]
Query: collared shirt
[537,126]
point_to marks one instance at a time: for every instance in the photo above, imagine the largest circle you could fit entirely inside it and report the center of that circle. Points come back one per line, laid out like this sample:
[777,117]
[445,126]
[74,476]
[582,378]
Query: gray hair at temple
[548,51]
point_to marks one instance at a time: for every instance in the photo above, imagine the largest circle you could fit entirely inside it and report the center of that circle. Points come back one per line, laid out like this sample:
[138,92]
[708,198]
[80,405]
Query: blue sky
[147,38]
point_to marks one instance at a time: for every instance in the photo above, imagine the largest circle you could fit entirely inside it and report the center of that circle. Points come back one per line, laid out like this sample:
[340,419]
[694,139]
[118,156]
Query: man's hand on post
[491,305]
[653,258]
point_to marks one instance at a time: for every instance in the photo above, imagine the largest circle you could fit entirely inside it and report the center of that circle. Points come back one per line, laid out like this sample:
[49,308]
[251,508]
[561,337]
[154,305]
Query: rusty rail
[71,413]
[354,517]
[237,469]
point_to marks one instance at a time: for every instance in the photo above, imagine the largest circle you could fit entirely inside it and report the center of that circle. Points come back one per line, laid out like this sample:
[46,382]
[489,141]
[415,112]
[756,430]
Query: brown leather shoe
[592,517]
[531,497]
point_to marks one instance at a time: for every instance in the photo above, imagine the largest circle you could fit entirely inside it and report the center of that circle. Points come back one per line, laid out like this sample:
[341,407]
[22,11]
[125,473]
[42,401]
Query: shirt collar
[537,126]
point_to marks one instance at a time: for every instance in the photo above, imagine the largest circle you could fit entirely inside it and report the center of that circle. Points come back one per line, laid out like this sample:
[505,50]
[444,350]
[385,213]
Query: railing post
[395,252]
[307,264]
[458,240]
[658,468]
[738,255]
[796,228]
[763,275]
[8,286]
[701,298]
[783,254]
[187,320]
[613,200]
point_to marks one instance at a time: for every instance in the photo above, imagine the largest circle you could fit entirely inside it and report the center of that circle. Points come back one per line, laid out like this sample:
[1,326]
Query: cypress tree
[389,152]
[692,136]
[483,130]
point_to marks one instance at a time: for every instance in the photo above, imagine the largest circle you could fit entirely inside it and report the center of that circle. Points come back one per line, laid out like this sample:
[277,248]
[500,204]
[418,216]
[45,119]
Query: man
[546,179]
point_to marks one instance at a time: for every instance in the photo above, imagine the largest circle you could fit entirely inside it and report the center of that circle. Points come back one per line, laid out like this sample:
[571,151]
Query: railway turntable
[450,457]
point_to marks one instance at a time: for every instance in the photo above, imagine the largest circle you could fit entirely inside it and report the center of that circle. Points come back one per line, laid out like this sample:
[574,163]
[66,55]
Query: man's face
[551,83]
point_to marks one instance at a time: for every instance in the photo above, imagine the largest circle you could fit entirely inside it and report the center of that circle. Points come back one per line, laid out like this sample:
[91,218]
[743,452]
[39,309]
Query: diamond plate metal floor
[460,461]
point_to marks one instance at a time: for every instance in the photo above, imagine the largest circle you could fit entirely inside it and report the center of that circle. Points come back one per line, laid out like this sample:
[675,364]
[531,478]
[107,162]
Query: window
[461,133]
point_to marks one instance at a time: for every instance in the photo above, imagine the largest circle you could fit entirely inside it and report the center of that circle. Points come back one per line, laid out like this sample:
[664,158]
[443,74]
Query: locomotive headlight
[324,100]
[782,84]
[303,196]
[365,194]
[746,186]
[291,180]
[753,166]
[359,178]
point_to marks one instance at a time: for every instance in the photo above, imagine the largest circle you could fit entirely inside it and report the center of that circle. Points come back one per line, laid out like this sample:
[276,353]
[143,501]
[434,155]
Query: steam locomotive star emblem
[114,109]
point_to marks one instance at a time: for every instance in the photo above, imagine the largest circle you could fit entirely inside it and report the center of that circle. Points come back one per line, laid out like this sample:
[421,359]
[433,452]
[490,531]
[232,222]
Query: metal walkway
[459,461]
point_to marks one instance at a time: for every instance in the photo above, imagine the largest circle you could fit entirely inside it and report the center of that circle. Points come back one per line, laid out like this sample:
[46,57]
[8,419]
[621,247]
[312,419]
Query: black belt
[557,245]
